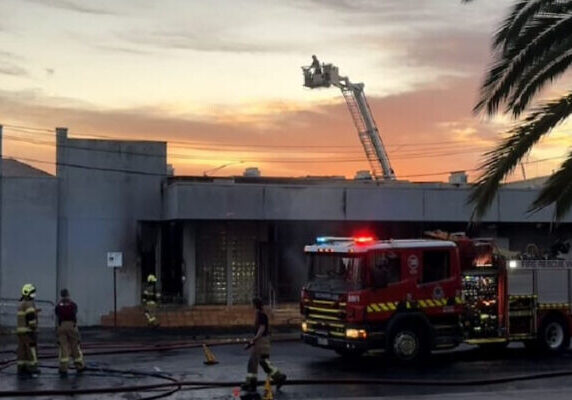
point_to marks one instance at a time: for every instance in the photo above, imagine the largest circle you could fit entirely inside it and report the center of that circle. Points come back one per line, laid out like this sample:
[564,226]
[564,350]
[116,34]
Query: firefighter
[27,331]
[316,65]
[260,351]
[68,334]
[151,297]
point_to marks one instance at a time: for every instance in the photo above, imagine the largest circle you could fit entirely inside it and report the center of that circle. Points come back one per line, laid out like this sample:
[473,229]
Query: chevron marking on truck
[426,303]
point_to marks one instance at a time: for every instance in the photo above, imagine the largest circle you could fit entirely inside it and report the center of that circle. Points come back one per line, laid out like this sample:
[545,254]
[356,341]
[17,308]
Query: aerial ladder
[327,75]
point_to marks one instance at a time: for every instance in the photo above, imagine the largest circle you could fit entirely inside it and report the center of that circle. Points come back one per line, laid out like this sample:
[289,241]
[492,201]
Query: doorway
[172,263]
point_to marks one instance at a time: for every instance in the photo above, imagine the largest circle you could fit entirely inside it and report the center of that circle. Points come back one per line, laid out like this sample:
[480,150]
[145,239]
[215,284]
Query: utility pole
[62,229]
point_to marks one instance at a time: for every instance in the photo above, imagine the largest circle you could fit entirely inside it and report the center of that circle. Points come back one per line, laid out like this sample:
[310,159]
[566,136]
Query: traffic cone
[268,390]
[210,359]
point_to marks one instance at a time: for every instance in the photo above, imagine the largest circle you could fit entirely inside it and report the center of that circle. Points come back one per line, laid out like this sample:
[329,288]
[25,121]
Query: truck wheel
[553,336]
[408,344]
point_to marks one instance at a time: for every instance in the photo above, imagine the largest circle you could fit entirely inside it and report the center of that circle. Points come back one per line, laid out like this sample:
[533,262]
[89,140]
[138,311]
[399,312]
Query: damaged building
[211,241]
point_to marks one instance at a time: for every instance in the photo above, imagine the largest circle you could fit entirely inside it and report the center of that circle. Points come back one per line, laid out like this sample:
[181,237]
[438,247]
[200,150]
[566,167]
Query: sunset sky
[220,80]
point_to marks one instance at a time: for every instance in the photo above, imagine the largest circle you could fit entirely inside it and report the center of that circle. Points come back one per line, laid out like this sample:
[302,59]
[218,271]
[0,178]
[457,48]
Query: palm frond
[500,162]
[535,80]
[504,59]
[500,83]
[557,190]
[524,14]
[520,14]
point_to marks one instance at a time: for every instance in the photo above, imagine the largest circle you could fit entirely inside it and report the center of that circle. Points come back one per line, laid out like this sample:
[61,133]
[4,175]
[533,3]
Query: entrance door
[211,264]
[226,262]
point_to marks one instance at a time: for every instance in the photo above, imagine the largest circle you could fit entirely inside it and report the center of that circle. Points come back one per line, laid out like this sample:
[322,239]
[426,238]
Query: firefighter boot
[250,396]
[278,378]
[250,384]
[23,371]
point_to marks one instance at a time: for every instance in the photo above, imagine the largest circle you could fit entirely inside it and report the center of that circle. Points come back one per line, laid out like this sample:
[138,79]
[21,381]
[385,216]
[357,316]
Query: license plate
[322,341]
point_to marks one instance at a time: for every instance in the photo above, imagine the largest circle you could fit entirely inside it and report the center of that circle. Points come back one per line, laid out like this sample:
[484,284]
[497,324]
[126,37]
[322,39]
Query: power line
[440,152]
[428,154]
[146,173]
[88,167]
[218,145]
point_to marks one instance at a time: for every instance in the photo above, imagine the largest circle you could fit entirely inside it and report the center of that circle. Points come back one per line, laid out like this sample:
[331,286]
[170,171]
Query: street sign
[115,259]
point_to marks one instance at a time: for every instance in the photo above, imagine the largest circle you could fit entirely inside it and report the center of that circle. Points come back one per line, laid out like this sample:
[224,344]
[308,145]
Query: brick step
[202,316]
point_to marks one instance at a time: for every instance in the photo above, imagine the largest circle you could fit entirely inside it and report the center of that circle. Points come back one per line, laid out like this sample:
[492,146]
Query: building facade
[211,240]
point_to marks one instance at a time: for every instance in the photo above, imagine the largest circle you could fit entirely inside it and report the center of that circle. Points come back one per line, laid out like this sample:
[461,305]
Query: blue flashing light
[321,240]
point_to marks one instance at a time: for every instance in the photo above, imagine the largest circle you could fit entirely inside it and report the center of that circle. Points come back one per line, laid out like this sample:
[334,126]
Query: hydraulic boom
[326,75]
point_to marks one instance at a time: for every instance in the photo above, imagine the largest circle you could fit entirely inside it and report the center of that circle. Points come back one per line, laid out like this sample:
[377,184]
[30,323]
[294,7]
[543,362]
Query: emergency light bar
[330,239]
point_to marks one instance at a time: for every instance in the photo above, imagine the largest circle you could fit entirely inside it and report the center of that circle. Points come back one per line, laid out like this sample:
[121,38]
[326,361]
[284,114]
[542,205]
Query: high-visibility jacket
[27,317]
[150,294]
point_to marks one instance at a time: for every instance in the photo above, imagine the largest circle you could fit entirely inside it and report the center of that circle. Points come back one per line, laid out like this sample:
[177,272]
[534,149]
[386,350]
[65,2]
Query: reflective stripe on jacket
[27,317]
[150,293]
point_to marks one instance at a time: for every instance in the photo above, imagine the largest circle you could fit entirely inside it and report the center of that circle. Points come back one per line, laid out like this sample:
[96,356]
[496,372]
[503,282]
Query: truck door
[388,282]
[438,280]
[386,275]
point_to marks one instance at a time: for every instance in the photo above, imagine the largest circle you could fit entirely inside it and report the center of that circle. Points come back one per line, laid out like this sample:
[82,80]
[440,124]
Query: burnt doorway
[147,238]
[172,263]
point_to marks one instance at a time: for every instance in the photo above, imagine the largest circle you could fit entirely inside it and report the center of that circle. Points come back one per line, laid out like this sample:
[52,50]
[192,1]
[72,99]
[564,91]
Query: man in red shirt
[68,334]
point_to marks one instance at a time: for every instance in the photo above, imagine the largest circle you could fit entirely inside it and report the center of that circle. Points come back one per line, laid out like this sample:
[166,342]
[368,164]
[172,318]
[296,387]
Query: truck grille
[325,317]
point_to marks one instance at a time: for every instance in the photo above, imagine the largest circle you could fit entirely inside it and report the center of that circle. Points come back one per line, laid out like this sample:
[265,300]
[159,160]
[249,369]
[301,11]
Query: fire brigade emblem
[413,264]
[438,293]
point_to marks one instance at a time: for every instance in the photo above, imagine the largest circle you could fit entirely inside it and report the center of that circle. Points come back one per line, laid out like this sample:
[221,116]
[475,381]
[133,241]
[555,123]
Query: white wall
[29,223]
[101,202]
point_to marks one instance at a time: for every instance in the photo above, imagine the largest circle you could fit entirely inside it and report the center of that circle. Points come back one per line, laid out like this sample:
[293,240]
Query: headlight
[304,326]
[356,333]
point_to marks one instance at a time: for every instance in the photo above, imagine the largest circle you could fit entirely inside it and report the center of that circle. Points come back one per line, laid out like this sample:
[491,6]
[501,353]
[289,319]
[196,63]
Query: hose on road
[175,385]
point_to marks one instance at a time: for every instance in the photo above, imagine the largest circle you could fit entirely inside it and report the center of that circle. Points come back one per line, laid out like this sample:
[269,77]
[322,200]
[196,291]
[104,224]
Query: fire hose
[175,385]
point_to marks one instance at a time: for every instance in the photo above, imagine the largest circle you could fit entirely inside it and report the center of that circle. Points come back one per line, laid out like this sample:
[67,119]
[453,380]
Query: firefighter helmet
[29,290]
[151,278]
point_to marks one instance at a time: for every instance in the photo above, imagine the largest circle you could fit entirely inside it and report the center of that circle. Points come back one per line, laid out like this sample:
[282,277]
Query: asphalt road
[300,361]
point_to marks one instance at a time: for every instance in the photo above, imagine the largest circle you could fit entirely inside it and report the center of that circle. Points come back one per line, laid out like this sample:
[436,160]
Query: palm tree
[532,48]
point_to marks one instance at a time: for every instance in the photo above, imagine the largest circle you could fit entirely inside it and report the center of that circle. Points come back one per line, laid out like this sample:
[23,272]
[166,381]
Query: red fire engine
[411,296]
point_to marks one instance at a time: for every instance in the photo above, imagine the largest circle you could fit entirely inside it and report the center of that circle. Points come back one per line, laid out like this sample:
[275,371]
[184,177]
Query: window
[436,265]
[386,269]
[337,268]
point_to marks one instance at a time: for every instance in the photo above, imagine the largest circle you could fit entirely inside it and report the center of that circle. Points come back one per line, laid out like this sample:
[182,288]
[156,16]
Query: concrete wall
[342,202]
[105,188]
[29,227]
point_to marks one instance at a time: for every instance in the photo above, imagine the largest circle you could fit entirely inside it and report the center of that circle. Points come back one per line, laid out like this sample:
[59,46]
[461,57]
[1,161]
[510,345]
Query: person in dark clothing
[68,334]
[316,65]
[259,347]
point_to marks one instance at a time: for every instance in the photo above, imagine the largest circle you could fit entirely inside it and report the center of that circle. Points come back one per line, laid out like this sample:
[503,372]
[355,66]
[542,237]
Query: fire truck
[409,297]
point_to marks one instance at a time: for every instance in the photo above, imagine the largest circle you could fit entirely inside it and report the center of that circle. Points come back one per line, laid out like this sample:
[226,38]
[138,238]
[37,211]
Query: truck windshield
[335,272]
